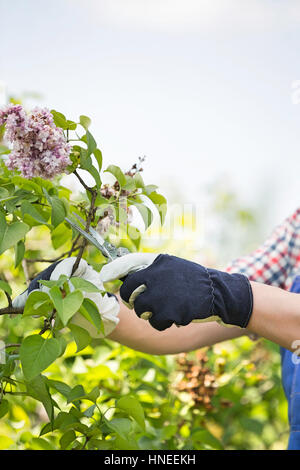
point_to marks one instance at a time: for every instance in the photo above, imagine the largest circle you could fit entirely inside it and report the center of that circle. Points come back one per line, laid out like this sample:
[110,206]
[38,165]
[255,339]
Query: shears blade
[93,236]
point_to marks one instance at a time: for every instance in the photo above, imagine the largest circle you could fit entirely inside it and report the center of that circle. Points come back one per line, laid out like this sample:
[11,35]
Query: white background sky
[203,88]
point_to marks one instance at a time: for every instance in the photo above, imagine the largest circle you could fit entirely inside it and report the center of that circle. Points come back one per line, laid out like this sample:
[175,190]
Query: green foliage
[61,389]
[11,234]
[36,354]
[43,342]
[67,306]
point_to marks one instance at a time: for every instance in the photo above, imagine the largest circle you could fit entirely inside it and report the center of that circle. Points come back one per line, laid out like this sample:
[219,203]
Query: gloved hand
[166,290]
[108,306]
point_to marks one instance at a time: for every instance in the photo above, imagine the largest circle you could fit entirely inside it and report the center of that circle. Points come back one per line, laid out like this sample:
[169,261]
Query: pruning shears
[108,250]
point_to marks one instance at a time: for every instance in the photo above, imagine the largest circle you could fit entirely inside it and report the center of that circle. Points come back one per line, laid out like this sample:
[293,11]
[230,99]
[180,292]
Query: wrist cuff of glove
[232,297]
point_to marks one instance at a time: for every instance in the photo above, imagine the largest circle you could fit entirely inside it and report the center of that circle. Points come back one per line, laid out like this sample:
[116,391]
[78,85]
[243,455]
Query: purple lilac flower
[39,147]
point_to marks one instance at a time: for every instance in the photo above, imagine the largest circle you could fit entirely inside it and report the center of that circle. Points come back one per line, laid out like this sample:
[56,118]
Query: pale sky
[203,88]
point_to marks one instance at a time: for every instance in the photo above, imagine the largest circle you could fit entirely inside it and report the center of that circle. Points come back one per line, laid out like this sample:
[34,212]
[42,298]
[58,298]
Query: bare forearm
[138,334]
[276,314]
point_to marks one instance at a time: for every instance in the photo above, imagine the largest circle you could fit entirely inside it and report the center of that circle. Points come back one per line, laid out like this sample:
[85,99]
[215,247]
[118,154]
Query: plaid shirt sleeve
[277,261]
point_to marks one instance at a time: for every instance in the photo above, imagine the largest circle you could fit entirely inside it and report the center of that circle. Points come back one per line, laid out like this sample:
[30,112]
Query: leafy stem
[82,181]
[89,220]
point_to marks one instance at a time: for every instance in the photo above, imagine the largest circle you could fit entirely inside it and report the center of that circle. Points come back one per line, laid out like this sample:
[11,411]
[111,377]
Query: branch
[48,323]
[11,310]
[82,181]
[9,299]
[89,220]
[69,252]
[25,269]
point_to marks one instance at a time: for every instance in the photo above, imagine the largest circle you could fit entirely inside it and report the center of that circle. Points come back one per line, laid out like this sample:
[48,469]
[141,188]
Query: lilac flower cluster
[39,147]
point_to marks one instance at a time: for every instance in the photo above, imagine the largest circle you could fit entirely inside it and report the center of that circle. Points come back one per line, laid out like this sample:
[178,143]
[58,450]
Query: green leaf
[59,119]
[45,184]
[62,342]
[71,125]
[62,421]
[139,182]
[46,428]
[68,306]
[133,408]
[4,194]
[66,439]
[168,431]
[37,443]
[121,426]
[160,203]
[87,164]
[100,444]
[83,157]
[37,303]
[89,411]
[117,173]
[90,311]
[91,143]
[60,387]
[130,184]
[4,407]
[29,212]
[19,252]
[59,282]
[8,368]
[93,394]
[77,393]
[36,354]
[95,173]
[28,185]
[203,436]
[81,336]
[86,286]
[85,121]
[11,234]
[128,443]
[38,389]
[6,287]
[149,188]
[135,236]
[58,211]
[145,213]
[98,156]
[60,235]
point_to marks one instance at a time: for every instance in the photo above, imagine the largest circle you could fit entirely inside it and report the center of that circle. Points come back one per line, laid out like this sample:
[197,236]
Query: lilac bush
[39,148]
[45,144]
